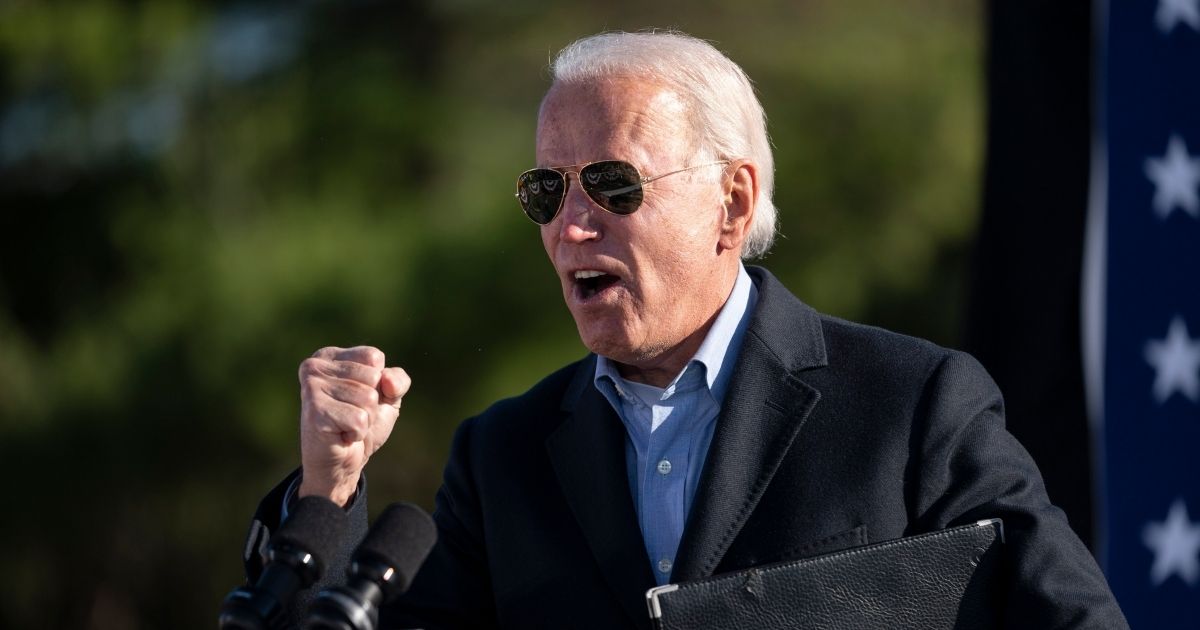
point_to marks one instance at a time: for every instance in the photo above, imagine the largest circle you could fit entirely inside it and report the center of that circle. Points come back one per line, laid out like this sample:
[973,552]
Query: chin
[607,338]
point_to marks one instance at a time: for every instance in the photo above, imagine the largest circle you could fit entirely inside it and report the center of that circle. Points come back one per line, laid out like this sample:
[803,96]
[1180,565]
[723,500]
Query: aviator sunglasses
[615,185]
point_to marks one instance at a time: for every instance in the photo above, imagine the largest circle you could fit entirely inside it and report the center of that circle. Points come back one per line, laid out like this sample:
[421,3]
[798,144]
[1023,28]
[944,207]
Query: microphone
[381,569]
[296,555]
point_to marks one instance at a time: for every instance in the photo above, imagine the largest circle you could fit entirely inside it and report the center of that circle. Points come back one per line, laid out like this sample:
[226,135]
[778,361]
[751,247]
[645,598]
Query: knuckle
[367,375]
[325,352]
[306,367]
[309,384]
[311,366]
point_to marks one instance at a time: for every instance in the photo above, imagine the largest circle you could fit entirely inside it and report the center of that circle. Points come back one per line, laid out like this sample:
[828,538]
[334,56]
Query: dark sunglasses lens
[615,185]
[540,192]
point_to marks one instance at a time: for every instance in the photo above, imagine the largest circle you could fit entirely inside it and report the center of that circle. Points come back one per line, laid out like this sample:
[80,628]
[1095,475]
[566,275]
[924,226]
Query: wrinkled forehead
[612,118]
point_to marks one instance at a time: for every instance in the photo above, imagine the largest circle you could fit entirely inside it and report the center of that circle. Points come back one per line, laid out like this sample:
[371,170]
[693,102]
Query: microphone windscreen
[316,525]
[401,538]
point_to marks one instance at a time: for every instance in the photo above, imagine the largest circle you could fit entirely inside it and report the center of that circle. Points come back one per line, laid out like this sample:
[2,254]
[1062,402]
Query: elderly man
[718,423]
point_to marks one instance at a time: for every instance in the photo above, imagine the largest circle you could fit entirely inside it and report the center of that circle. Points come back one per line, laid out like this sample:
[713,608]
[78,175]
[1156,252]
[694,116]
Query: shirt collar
[718,351]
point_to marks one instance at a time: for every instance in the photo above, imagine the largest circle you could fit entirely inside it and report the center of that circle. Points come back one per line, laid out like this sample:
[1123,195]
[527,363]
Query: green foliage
[180,230]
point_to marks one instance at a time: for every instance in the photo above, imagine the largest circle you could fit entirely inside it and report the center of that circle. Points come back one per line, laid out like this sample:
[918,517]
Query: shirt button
[664,467]
[664,566]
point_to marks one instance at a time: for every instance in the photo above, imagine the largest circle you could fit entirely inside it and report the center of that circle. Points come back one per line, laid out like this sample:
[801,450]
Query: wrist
[340,492]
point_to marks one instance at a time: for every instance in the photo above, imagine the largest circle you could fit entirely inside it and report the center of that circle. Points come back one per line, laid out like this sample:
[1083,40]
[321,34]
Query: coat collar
[765,407]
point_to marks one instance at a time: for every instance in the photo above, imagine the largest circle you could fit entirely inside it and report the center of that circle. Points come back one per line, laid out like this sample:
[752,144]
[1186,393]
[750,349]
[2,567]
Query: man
[719,423]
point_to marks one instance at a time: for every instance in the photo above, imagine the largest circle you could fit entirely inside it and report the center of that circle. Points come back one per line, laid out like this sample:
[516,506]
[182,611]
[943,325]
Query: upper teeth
[589,273]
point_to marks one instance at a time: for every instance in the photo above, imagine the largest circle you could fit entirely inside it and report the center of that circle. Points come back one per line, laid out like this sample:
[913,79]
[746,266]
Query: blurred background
[196,196]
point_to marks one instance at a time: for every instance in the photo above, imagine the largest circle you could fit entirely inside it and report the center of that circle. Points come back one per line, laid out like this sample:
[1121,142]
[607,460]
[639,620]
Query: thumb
[393,384]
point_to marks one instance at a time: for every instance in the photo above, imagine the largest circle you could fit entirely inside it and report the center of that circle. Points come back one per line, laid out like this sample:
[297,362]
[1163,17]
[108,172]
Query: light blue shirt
[668,430]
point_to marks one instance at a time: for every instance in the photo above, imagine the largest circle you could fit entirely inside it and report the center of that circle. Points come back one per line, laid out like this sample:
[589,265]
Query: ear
[740,197]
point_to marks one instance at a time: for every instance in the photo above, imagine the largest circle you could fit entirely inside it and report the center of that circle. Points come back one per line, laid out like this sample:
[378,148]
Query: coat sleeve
[452,588]
[972,468]
[266,521]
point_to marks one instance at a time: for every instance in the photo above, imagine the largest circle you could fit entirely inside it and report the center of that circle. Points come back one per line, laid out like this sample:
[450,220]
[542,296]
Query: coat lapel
[588,454]
[764,410]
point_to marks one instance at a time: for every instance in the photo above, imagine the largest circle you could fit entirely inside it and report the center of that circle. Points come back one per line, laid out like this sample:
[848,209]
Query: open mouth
[590,283]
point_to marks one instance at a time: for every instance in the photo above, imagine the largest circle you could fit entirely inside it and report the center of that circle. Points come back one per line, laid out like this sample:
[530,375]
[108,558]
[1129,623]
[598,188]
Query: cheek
[549,240]
[694,230]
[669,262]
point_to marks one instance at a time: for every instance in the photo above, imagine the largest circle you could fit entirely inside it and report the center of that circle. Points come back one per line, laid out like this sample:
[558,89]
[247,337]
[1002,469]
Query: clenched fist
[349,404]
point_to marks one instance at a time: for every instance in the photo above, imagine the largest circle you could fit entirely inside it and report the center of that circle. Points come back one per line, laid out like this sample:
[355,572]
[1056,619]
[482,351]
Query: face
[643,288]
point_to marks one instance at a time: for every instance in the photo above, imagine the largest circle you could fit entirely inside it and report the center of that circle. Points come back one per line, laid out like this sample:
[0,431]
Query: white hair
[729,121]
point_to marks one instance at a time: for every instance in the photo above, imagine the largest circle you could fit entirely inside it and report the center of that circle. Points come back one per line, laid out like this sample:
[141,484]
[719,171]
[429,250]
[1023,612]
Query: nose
[578,220]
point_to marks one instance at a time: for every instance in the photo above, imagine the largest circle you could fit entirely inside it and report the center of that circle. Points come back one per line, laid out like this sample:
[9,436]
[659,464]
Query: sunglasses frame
[577,169]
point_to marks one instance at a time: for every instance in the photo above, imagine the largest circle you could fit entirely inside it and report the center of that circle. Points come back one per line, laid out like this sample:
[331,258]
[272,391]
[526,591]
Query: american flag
[1142,306]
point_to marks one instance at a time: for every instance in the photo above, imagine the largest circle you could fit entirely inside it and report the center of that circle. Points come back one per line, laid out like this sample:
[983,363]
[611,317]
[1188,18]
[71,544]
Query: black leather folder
[942,579]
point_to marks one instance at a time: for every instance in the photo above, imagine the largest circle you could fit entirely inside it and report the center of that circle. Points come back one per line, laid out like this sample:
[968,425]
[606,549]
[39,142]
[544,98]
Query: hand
[349,404]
